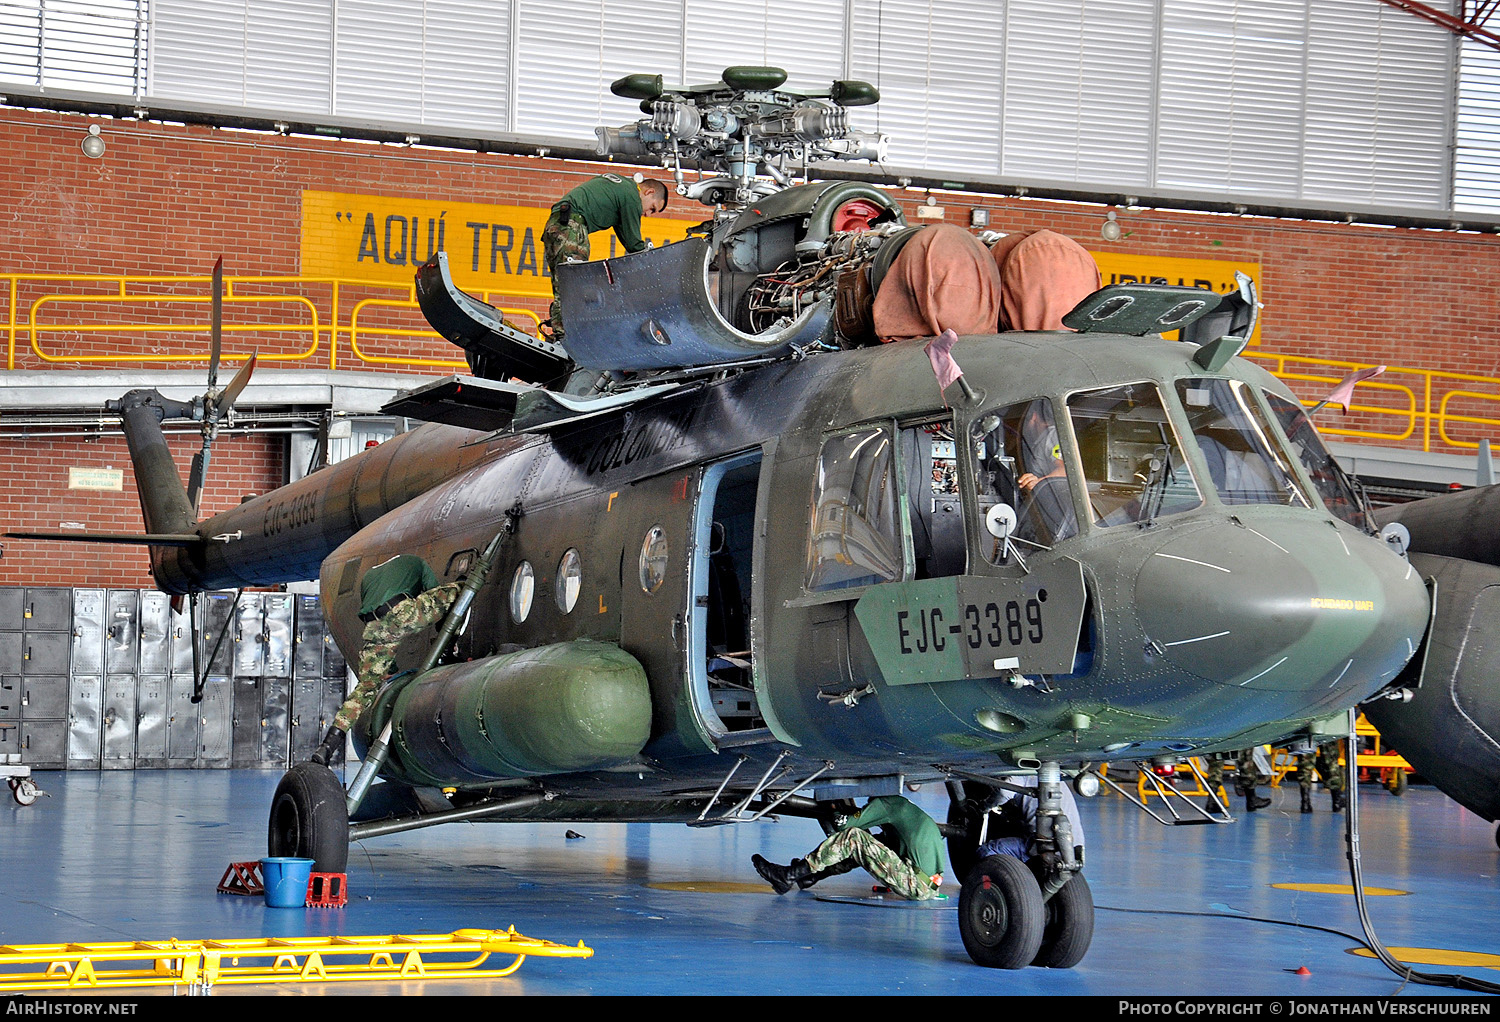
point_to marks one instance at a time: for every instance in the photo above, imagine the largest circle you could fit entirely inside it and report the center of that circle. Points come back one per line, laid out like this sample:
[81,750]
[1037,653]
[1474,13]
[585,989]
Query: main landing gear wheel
[308,818]
[24,790]
[1000,914]
[1068,928]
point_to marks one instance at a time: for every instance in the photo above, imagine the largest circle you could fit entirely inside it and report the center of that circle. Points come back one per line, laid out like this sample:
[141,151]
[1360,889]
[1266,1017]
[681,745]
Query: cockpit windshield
[1131,457]
[1338,493]
[1018,461]
[1245,463]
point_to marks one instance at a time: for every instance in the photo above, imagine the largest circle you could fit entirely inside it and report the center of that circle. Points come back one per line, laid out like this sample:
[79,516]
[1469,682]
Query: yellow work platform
[204,964]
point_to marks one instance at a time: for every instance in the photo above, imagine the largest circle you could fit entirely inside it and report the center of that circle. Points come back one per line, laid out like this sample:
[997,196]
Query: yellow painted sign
[96,479]
[1215,274]
[491,248]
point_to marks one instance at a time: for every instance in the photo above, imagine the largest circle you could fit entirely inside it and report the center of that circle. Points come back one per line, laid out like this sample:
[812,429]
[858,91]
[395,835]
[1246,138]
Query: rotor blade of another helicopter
[226,400]
[216,320]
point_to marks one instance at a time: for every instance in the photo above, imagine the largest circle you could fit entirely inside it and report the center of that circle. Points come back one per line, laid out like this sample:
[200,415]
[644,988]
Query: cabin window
[1018,461]
[856,520]
[522,589]
[1132,460]
[569,581]
[1233,436]
[1334,486]
[934,505]
[654,559]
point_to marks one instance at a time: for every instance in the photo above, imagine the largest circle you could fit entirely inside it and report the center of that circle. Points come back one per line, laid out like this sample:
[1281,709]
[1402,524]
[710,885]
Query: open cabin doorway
[719,660]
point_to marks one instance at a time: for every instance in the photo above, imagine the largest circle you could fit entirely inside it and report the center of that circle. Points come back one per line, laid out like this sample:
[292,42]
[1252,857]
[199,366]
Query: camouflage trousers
[1326,763]
[377,652]
[878,860]
[1244,767]
[562,244]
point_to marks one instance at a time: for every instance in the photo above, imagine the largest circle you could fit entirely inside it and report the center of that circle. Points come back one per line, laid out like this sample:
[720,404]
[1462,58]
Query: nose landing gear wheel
[308,818]
[1000,914]
[1068,928]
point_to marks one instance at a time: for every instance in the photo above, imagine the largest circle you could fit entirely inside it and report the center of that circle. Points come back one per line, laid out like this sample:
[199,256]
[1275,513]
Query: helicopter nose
[1281,605]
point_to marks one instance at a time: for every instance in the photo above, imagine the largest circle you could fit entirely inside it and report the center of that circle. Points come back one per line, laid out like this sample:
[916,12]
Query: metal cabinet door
[182,723]
[119,722]
[278,634]
[182,635]
[218,631]
[307,725]
[216,716]
[122,631]
[44,697]
[249,636]
[44,744]
[307,652]
[276,712]
[245,727]
[11,601]
[48,653]
[10,697]
[10,740]
[152,694]
[47,610]
[85,716]
[88,632]
[156,632]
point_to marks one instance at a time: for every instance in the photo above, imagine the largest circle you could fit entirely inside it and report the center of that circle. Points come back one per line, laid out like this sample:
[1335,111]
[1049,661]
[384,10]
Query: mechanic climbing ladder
[206,963]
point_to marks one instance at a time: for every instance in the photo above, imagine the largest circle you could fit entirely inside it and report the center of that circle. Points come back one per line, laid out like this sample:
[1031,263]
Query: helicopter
[725,557]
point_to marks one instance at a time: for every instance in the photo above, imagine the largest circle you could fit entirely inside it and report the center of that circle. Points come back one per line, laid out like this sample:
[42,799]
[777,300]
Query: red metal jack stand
[242,878]
[327,890]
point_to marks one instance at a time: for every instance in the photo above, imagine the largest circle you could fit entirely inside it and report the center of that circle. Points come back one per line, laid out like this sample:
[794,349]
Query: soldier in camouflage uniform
[398,599]
[907,857]
[1244,777]
[1326,762]
[606,202]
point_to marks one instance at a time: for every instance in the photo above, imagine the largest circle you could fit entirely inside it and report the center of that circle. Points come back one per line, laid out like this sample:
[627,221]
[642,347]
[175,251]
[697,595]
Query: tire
[1000,914]
[1397,783]
[1068,929]
[308,818]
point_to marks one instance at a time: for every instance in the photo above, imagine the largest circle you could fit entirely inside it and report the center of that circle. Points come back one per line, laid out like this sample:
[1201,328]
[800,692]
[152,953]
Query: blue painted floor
[137,856]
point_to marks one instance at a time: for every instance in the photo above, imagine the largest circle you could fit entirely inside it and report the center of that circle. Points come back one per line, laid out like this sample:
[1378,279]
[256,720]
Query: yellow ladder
[205,963]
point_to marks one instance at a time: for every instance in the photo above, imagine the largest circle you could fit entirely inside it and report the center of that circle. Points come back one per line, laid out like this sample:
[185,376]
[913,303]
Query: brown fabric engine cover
[942,279]
[1043,275]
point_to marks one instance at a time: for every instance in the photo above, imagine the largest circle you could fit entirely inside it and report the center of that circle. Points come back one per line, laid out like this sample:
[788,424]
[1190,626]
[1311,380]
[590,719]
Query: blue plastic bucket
[286,881]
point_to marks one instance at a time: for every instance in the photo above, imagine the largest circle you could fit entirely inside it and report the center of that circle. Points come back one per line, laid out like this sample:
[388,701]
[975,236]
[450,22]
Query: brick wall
[169,199]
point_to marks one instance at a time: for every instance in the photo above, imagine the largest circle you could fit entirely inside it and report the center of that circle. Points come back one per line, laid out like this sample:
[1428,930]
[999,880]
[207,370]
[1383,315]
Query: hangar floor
[671,910]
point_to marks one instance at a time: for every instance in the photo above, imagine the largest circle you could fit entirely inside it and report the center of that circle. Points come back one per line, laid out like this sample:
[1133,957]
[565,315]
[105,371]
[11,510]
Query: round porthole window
[654,559]
[522,589]
[569,581]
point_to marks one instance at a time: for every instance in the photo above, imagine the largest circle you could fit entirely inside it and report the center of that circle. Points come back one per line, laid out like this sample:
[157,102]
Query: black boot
[781,878]
[1339,800]
[332,742]
[1254,802]
[1306,801]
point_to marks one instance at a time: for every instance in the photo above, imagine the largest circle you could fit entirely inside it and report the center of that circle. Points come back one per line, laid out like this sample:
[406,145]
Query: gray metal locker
[156,632]
[46,652]
[182,634]
[44,697]
[85,716]
[117,727]
[10,741]
[10,697]
[278,634]
[249,637]
[88,633]
[152,694]
[47,610]
[307,722]
[246,727]
[183,725]
[307,651]
[216,717]
[10,610]
[122,631]
[276,711]
[44,744]
[217,625]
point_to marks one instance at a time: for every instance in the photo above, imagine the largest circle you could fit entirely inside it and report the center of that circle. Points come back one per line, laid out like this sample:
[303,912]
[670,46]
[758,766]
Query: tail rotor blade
[216,322]
[237,384]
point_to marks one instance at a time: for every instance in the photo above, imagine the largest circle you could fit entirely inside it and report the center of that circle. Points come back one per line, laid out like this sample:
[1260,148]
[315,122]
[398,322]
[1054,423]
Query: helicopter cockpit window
[1337,491]
[1245,464]
[1132,460]
[856,525]
[934,505]
[1018,461]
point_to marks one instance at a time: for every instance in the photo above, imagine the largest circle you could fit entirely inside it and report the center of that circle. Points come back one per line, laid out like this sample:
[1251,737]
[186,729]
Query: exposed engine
[844,262]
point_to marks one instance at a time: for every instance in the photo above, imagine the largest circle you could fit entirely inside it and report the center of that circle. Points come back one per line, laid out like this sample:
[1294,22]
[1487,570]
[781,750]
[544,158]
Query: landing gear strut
[1013,914]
